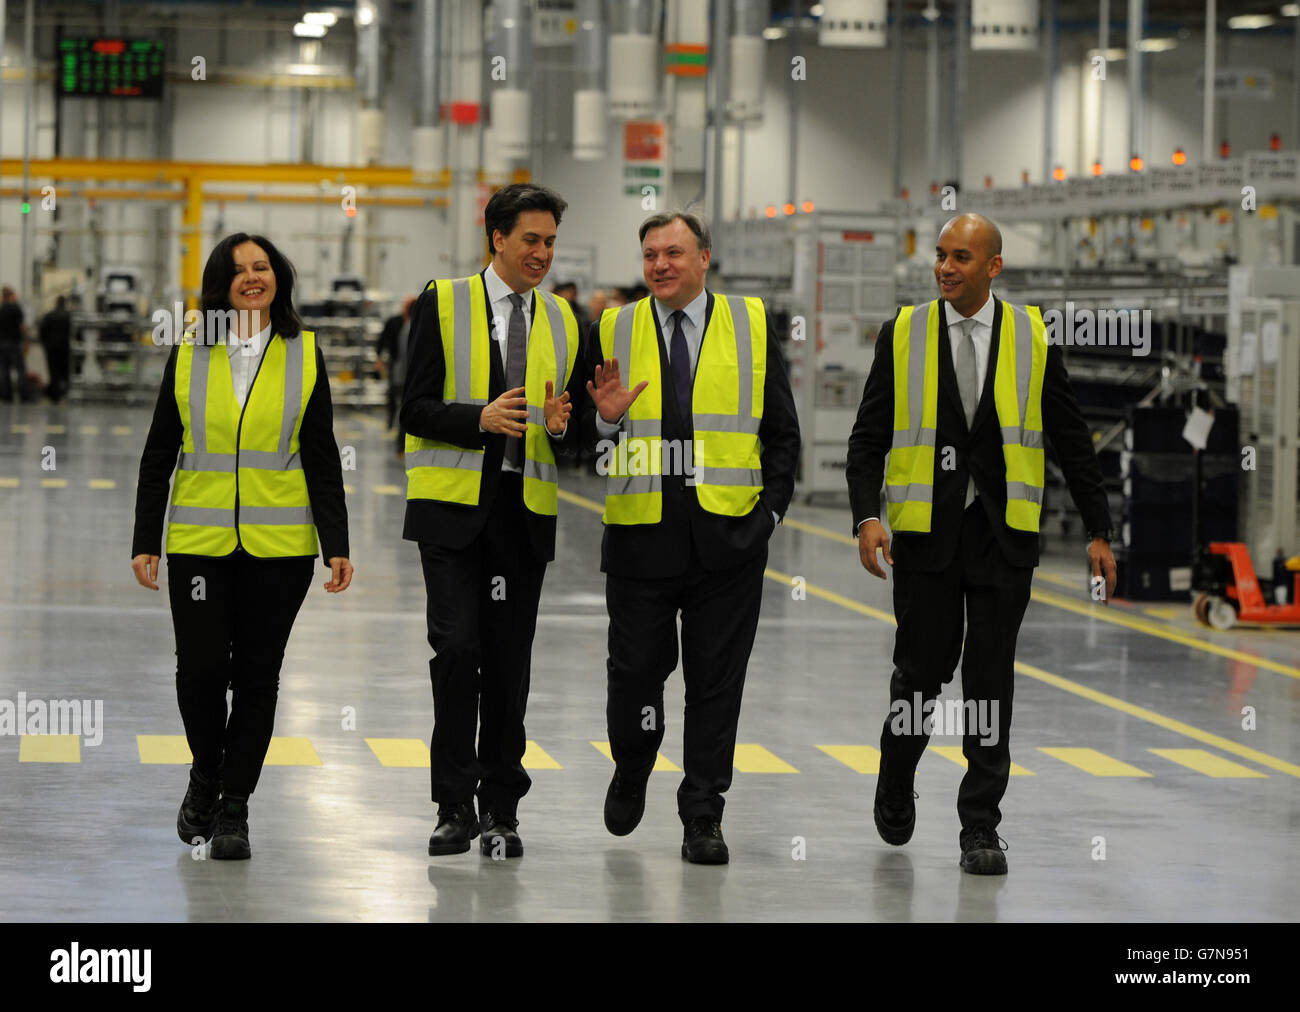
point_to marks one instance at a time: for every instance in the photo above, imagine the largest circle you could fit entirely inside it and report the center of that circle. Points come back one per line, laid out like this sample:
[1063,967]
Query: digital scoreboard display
[109,68]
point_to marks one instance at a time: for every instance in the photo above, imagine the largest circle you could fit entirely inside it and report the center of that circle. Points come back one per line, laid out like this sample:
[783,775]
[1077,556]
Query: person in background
[11,346]
[56,338]
[391,350]
[248,412]
[568,291]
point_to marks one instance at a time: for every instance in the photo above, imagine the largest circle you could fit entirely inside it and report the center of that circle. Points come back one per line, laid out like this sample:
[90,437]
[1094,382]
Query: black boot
[457,825]
[197,817]
[230,841]
[895,809]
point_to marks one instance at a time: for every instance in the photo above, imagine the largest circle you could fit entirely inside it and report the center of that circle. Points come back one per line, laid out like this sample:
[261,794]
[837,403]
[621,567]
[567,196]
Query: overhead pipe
[510,71]
[1207,110]
[370,16]
[590,102]
[1136,10]
[748,58]
[428,148]
[720,81]
[1048,36]
[633,59]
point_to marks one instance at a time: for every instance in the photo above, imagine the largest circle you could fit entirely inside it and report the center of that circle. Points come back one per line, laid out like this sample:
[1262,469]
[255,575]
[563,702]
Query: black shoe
[457,825]
[230,838]
[197,818]
[624,804]
[981,851]
[702,841]
[498,828]
[895,808]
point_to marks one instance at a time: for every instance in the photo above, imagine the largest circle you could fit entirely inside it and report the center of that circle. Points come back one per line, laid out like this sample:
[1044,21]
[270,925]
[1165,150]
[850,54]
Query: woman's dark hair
[220,272]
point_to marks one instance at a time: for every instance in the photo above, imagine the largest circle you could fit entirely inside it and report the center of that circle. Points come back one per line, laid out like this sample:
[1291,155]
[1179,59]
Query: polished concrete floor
[1139,795]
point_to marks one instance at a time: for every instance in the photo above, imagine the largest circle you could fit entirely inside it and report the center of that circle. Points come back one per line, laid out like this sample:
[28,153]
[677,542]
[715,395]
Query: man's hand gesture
[556,409]
[872,536]
[508,414]
[611,398]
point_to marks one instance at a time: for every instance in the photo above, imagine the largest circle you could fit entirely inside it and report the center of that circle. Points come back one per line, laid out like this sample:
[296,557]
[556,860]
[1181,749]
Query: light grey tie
[516,360]
[967,384]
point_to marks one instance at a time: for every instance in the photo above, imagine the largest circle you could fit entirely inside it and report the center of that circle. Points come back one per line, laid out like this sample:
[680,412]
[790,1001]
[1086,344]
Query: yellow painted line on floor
[824,532]
[1208,763]
[408,752]
[349,489]
[386,490]
[858,758]
[9,482]
[1166,613]
[291,752]
[54,483]
[580,500]
[163,749]
[953,753]
[57,430]
[20,427]
[662,764]
[89,430]
[757,759]
[121,430]
[49,748]
[102,483]
[1091,761]
[1057,578]
[535,758]
[830,595]
[1101,613]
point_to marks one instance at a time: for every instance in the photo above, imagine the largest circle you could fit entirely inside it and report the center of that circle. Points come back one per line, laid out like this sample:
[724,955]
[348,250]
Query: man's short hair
[693,221]
[503,210]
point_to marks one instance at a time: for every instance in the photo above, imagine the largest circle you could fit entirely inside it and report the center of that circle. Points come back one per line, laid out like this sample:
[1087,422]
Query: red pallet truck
[1232,594]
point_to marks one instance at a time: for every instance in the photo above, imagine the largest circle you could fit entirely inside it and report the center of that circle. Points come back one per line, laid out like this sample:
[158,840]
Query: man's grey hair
[693,221]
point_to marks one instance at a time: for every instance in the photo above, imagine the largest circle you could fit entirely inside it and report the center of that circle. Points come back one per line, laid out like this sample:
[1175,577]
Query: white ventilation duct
[633,60]
[370,16]
[854,24]
[509,70]
[428,144]
[1004,24]
[590,104]
[745,98]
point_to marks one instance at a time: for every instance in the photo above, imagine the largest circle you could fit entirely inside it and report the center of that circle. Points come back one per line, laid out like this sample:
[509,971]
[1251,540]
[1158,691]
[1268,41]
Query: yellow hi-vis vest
[726,404]
[450,473]
[239,480]
[1018,397]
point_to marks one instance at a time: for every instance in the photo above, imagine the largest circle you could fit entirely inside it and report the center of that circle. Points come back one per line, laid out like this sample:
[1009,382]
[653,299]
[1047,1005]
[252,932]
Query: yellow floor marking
[57,430]
[583,501]
[830,595]
[824,532]
[8,482]
[757,759]
[662,765]
[349,489]
[1167,613]
[387,490]
[89,430]
[535,758]
[20,427]
[121,430]
[291,752]
[1097,763]
[408,752]
[163,749]
[1208,763]
[49,748]
[54,483]
[954,754]
[1101,613]
[102,483]
[858,758]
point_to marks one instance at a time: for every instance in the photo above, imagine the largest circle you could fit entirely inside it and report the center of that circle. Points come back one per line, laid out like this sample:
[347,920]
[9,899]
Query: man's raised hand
[611,398]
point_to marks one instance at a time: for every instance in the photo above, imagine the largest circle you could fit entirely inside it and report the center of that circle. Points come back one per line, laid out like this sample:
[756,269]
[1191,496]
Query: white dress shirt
[244,358]
[499,309]
[982,338]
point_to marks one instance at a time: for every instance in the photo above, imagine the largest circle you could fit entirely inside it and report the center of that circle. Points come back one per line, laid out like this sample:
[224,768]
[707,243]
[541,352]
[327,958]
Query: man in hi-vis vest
[694,424]
[962,391]
[490,384]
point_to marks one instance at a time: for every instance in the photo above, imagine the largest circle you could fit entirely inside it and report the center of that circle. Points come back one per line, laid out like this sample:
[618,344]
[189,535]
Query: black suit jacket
[665,549]
[426,414]
[978,454]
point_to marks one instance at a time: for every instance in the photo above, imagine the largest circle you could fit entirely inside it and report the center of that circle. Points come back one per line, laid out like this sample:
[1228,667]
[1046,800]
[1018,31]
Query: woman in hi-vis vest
[244,418]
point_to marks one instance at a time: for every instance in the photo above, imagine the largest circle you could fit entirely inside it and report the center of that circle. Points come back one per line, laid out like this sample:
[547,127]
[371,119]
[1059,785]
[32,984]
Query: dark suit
[708,567]
[483,568]
[970,558]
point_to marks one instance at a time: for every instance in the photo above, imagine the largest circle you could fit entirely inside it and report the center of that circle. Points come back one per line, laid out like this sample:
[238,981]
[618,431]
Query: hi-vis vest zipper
[450,473]
[1018,398]
[239,480]
[726,405]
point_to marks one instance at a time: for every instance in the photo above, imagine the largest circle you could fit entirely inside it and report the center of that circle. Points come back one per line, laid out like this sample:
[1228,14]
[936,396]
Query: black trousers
[719,619]
[482,615]
[57,356]
[11,360]
[232,616]
[929,609]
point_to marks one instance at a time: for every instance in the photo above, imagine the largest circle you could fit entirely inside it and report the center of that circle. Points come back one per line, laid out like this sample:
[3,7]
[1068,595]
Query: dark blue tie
[680,363]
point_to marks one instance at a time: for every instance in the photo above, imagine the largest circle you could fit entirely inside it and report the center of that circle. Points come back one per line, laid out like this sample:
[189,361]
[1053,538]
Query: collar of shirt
[255,344]
[694,315]
[984,317]
[499,292]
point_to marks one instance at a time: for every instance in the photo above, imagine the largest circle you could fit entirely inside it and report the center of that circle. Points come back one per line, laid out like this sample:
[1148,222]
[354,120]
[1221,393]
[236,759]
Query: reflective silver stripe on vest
[200,358]
[266,460]
[292,393]
[912,493]
[220,462]
[1024,356]
[541,470]
[467,460]
[745,476]
[744,358]
[643,428]
[537,415]
[201,516]
[1019,490]
[726,423]
[1028,439]
[915,434]
[275,516]
[559,339]
[638,484]
[623,338]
